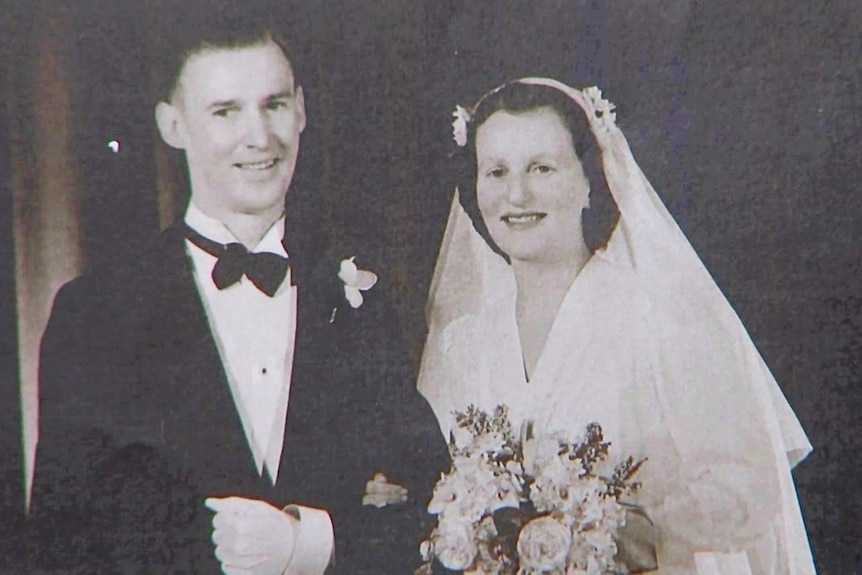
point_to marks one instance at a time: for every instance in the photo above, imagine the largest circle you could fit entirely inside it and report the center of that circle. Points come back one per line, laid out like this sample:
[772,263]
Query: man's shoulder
[135,276]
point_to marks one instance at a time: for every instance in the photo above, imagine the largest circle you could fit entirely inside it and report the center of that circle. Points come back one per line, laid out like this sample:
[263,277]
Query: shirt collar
[215,230]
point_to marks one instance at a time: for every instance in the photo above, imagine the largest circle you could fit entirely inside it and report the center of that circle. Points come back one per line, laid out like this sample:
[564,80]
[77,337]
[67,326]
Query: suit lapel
[308,433]
[187,372]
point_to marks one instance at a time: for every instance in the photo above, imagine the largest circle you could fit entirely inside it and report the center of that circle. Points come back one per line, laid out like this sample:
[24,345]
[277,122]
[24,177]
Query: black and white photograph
[415,287]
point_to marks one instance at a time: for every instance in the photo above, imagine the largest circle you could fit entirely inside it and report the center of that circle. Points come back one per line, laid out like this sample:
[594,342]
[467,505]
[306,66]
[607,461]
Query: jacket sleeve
[69,444]
[101,503]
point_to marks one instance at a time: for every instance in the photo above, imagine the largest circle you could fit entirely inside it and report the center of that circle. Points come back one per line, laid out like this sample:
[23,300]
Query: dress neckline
[553,335]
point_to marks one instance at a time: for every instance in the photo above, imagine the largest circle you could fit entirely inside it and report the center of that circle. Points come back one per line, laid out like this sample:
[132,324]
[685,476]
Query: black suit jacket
[138,426]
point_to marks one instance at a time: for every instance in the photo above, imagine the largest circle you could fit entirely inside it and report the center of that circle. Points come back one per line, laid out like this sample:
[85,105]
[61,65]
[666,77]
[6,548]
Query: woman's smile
[523,221]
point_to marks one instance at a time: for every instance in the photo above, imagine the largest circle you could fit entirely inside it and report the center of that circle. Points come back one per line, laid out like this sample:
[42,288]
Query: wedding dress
[644,344]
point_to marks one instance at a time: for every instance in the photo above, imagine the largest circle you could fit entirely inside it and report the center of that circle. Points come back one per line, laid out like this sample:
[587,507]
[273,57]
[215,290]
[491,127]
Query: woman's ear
[169,120]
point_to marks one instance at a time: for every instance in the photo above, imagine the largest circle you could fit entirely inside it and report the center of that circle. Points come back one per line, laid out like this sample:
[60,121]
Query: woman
[634,335]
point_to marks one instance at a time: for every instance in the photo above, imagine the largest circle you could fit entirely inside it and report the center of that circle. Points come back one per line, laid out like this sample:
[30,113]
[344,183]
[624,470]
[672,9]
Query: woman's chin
[532,248]
[529,254]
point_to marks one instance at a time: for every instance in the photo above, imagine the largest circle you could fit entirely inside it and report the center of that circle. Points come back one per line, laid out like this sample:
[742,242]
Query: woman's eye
[497,173]
[543,169]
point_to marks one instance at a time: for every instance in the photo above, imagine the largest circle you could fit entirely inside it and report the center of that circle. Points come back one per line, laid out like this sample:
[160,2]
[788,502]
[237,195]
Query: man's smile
[256,166]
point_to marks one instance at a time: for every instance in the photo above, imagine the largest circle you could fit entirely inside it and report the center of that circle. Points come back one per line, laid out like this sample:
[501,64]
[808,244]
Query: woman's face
[530,185]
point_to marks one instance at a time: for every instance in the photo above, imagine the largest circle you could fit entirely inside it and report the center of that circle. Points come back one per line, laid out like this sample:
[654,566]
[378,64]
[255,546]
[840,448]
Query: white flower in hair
[459,126]
[601,109]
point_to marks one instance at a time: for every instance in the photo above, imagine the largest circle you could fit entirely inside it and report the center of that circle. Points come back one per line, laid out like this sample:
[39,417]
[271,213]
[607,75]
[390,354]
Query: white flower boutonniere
[355,281]
[379,492]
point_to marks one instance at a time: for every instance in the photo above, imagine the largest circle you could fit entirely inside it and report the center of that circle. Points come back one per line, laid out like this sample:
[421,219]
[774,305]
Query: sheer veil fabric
[645,344]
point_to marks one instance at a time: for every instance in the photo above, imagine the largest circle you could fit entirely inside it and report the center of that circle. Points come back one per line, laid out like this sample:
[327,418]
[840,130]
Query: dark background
[744,115]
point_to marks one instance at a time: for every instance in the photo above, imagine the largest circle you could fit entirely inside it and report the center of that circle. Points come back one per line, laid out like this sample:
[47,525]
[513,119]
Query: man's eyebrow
[222,104]
[286,94]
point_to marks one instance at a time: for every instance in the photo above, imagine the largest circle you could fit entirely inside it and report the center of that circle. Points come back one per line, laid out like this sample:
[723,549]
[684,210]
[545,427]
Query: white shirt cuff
[315,541]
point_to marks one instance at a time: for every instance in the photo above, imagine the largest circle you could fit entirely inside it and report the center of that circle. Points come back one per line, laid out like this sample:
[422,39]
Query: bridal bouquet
[525,504]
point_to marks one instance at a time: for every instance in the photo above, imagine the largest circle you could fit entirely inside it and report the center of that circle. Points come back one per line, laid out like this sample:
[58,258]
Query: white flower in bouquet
[473,489]
[586,500]
[602,541]
[494,442]
[585,559]
[539,451]
[543,545]
[557,485]
[596,509]
[461,438]
[454,545]
[487,562]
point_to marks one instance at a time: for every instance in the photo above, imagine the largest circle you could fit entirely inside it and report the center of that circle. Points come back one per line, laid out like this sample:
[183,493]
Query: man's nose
[257,130]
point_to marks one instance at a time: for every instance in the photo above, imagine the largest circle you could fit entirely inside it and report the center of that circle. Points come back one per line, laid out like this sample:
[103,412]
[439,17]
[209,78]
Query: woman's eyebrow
[491,161]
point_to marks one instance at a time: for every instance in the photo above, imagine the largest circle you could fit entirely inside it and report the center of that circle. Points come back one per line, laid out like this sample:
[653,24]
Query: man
[200,413]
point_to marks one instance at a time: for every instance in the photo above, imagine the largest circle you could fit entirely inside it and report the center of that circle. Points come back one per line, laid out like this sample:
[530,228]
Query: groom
[221,398]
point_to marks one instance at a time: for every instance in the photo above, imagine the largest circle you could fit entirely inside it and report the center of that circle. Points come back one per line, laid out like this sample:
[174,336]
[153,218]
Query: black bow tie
[265,270]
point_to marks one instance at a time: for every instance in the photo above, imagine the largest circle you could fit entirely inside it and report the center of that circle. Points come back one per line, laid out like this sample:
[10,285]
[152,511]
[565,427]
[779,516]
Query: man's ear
[168,118]
[300,108]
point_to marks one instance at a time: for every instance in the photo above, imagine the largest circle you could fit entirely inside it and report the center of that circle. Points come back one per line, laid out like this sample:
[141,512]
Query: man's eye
[276,105]
[223,112]
[543,169]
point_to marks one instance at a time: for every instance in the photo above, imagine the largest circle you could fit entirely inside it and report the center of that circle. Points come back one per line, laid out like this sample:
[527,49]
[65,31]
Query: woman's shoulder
[614,286]
[462,334]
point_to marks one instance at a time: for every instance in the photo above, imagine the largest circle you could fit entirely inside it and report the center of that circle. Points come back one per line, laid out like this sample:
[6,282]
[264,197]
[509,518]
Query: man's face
[238,115]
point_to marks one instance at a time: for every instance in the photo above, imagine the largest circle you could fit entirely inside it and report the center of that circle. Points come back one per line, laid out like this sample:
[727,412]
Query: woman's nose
[518,190]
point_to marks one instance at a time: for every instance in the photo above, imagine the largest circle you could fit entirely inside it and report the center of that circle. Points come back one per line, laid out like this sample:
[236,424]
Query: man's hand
[252,537]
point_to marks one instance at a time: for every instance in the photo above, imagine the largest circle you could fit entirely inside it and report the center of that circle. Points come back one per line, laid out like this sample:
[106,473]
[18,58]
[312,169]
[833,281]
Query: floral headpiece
[459,125]
[599,111]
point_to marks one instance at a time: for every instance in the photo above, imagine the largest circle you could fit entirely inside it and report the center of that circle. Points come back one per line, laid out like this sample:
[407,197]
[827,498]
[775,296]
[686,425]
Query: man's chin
[257,200]
[264,211]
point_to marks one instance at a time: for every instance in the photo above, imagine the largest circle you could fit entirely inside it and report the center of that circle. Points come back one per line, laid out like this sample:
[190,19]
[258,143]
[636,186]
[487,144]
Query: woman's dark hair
[519,98]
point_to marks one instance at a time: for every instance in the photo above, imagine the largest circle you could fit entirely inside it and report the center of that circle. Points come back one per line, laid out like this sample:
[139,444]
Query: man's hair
[197,26]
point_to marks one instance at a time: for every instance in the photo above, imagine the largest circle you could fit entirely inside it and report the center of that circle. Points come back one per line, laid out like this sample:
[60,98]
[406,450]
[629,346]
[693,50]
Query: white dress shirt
[255,335]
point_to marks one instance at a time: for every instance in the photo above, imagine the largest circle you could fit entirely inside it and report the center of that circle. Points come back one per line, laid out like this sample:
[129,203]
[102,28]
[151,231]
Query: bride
[634,335]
